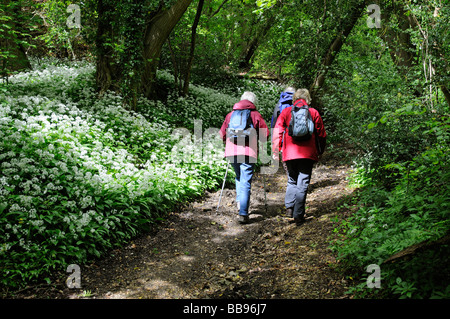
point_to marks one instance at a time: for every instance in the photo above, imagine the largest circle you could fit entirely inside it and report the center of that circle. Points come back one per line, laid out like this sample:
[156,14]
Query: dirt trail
[201,253]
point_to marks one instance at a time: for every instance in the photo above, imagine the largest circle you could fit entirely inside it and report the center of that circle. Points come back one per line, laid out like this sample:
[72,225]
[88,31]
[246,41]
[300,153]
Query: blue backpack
[284,102]
[301,126]
[240,127]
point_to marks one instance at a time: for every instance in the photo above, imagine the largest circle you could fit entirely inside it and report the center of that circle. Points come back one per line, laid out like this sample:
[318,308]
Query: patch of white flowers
[74,166]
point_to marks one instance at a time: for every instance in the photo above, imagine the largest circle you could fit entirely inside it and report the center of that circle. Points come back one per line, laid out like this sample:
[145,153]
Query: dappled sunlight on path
[200,252]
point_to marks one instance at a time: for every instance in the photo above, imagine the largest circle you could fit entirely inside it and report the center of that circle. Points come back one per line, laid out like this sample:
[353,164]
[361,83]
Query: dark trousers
[299,175]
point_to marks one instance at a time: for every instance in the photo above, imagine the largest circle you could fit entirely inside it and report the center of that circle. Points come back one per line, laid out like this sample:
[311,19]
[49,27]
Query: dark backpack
[240,127]
[301,126]
[284,102]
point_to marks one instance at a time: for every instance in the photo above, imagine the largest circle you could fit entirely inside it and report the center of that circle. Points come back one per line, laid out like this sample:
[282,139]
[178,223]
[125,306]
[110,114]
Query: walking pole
[265,196]
[223,185]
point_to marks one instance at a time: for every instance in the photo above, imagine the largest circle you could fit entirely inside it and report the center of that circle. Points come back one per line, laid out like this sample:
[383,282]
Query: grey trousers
[299,175]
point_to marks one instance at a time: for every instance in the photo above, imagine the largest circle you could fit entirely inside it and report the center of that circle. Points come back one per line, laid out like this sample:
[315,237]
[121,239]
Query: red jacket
[259,124]
[295,150]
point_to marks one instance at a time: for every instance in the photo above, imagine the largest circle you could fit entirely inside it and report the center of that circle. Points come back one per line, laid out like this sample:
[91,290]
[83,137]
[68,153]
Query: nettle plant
[82,174]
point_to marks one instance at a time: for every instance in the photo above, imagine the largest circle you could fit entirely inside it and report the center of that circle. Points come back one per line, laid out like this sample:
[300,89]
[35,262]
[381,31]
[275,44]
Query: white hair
[250,96]
[302,94]
[289,89]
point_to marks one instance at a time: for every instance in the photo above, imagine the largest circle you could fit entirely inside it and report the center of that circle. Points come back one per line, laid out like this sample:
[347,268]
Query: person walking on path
[284,101]
[243,153]
[299,156]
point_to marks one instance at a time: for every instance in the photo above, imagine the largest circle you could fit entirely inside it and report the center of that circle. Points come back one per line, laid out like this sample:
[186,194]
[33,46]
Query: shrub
[415,210]
[81,174]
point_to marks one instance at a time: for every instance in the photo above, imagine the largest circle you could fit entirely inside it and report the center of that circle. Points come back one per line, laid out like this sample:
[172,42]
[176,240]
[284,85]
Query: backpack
[301,126]
[240,127]
[284,102]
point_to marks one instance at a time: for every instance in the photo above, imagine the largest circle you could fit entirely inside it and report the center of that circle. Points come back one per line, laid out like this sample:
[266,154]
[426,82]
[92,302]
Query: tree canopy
[294,42]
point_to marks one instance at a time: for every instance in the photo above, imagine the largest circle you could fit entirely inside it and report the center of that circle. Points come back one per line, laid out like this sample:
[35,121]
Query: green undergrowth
[410,209]
[82,174]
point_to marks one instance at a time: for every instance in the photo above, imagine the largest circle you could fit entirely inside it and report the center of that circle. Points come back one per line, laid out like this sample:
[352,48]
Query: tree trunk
[20,60]
[401,48]
[252,46]
[192,49]
[174,62]
[446,93]
[156,33]
[106,76]
[418,248]
[16,58]
[333,49]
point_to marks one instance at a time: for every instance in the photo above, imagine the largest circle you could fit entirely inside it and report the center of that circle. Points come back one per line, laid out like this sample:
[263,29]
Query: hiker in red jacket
[243,156]
[299,156]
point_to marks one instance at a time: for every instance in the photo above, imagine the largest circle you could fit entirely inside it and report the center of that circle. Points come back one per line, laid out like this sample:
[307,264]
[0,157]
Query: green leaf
[3,207]
[371,125]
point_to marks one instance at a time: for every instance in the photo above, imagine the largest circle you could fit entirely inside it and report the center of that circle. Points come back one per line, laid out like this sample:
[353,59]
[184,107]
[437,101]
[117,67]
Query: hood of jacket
[244,105]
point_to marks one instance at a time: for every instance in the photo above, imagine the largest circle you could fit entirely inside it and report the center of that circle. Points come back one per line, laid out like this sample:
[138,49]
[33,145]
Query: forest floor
[203,253]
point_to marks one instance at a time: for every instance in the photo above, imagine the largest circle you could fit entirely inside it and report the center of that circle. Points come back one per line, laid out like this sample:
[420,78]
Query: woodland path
[201,253]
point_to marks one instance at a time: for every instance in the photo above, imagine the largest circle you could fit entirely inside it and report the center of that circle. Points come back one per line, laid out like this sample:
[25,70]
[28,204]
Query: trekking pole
[265,196]
[223,185]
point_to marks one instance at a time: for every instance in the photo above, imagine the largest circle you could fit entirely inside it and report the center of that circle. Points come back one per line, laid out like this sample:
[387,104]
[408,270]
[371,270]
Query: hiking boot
[299,220]
[289,212]
[243,219]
